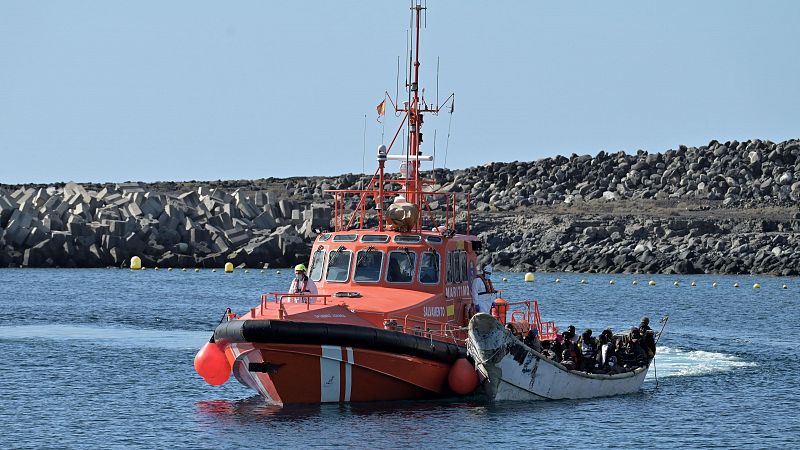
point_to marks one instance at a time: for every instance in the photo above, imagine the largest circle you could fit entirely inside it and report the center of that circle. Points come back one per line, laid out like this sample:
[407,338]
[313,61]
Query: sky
[102,91]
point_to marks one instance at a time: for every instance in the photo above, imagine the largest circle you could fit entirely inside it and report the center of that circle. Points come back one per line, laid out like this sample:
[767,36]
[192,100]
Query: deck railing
[528,311]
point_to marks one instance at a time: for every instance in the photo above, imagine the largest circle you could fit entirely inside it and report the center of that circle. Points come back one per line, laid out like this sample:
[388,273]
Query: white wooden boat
[514,371]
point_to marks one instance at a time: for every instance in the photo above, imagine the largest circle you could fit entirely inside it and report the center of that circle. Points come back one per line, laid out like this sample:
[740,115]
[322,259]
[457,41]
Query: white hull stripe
[329,373]
[348,374]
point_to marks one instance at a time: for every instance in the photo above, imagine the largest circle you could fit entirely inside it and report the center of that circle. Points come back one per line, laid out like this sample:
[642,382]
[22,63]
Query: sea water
[102,358]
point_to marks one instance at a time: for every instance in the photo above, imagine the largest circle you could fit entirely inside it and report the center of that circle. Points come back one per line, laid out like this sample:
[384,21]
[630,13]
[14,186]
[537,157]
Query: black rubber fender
[316,333]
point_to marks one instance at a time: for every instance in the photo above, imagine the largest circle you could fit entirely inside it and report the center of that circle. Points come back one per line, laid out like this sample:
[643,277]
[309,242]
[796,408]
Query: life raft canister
[499,310]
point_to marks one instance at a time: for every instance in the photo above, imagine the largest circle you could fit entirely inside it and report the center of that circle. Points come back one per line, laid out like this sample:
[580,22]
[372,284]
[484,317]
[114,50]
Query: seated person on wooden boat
[570,334]
[547,350]
[648,336]
[606,355]
[301,284]
[569,356]
[482,290]
[569,359]
[532,339]
[587,348]
[632,354]
[557,347]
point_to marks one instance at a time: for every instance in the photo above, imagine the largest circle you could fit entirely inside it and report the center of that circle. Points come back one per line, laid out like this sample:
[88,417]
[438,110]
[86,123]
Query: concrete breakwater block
[72,226]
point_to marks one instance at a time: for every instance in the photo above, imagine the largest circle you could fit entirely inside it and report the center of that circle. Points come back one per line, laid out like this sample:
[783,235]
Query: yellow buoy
[169,269]
[694,284]
[612,282]
[676,284]
[155,268]
[652,282]
[584,282]
[136,263]
[144,268]
[246,271]
[183,269]
[228,267]
[634,282]
[530,277]
[277,272]
[505,279]
[262,270]
[785,286]
[736,285]
[197,270]
[757,286]
[558,280]
[714,284]
[213,270]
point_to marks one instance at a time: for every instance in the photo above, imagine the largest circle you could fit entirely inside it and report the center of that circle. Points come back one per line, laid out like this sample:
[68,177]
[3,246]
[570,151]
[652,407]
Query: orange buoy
[212,364]
[463,379]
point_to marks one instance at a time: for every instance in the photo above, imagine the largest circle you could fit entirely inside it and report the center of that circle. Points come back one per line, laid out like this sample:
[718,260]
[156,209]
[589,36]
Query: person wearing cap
[482,290]
[648,337]
[301,284]
[570,334]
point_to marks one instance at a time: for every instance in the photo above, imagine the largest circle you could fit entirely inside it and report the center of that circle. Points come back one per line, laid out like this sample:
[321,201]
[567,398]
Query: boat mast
[412,181]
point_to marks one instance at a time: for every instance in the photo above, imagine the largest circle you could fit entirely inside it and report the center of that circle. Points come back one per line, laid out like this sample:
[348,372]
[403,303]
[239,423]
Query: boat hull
[294,374]
[305,362]
[514,371]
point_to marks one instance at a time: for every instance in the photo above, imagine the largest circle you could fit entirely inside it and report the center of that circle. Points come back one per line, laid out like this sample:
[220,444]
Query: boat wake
[110,336]
[676,362]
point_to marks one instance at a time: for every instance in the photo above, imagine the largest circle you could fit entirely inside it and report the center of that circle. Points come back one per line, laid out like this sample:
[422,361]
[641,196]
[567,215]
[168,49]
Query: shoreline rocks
[730,207]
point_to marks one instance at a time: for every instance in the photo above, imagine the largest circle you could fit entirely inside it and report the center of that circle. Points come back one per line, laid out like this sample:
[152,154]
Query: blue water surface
[102,358]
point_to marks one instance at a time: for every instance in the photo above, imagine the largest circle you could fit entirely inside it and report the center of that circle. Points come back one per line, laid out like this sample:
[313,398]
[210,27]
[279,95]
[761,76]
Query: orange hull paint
[318,374]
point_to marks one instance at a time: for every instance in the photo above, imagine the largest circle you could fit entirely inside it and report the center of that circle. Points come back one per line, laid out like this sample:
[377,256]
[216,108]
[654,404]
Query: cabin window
[429,268]
[345,238]
[368,266]
[338,266]
[324,237]
[408,239]
[449,275]
[434,239]
[401,266]
[462,265]
[375,238]
[457,266]
[316,265]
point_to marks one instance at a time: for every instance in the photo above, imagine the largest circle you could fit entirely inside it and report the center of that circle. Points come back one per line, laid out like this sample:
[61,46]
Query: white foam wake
[110,336]
[676,362]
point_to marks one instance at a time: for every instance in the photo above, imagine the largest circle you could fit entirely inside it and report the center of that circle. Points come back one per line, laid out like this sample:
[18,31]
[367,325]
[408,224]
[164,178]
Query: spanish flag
[382,108]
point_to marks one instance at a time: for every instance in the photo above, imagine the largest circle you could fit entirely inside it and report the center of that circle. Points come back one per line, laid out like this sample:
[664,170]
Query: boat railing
[528,311]
[417,326]
[280,297]
[437,209]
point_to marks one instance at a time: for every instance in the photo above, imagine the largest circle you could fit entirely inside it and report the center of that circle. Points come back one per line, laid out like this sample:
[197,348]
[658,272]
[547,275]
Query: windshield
[316,265]
[429,268]
[338,266]
[401,267]
[368,266]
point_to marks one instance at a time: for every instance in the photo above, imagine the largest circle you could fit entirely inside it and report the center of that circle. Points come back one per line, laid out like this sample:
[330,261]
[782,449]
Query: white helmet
[487,269]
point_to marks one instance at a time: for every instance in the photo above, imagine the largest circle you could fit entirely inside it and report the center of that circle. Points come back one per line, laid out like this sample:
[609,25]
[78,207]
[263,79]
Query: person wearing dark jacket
[587,348]
[648,337]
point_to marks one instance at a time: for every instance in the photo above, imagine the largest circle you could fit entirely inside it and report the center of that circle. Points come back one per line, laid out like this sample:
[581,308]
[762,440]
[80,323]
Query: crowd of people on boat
[609,353]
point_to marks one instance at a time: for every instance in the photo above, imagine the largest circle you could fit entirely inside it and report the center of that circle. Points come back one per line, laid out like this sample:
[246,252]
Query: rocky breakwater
[686,243]
[722,208]
[736,174]
[72,226]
